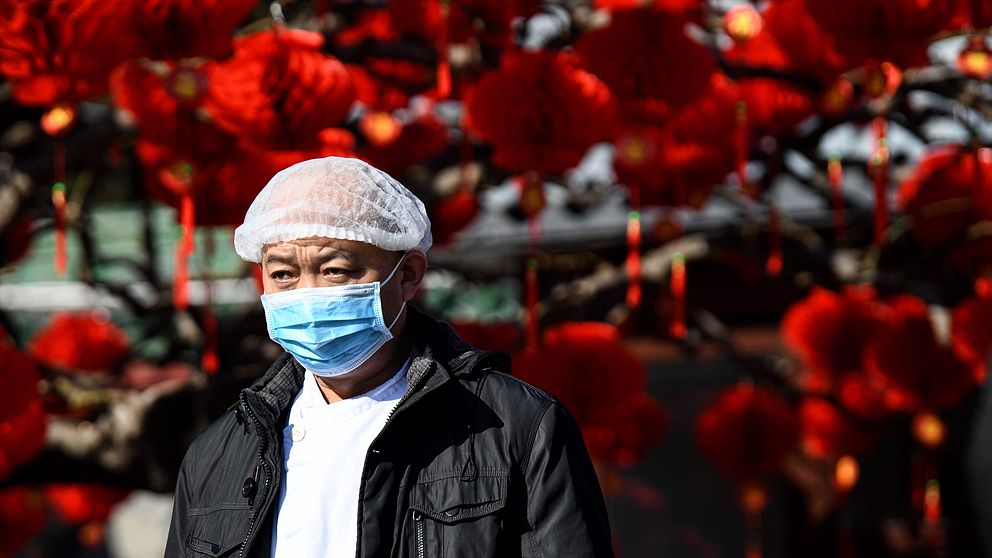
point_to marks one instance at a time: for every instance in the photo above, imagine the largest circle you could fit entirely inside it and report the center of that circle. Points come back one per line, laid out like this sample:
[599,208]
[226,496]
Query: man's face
[327,262]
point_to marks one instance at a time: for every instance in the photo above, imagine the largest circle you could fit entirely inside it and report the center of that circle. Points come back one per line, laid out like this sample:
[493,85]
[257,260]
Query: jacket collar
[437,355]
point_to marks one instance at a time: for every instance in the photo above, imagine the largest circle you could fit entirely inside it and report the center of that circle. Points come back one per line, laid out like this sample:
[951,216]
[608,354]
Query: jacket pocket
[217,530]
[455,518]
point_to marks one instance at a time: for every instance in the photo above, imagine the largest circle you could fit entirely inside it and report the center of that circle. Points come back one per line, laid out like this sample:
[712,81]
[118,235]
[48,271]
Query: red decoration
[829,331]
[22,416]
[747,432]
[895,30]
[452,214]
[376,94]
[835,177]
[677,282]
[22,517]
[618,419]
[672,6]
[279,90]
[742,22]
[62,51]
[415,142]
[177,29]
[773,265]
[540,111]
[878,169]
[78,504]
[920,363]
[81,342]
[827,432]
[971,329]
[639,55]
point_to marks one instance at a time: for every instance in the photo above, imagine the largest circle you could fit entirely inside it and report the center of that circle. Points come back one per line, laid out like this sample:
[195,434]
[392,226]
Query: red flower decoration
[22,517]
[452,214]
[279,90]
[892,30]
[424,137]
[948,191]
[22,416]
[78,504]
[80,342]
[540,111]
[176,29]
[681,162]
[829,331]
[971,329]
[62,51]
[747,432]
[641,55]
[619,420]
[827,432]
[923,370]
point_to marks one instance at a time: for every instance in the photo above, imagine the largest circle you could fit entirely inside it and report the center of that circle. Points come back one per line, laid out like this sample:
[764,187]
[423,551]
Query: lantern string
[677,285]
[444,64]
[59,202]
[773,266]
[879,170]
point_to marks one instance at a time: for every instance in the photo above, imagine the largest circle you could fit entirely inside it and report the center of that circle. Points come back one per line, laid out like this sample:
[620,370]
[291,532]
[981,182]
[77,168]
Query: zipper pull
[250,487]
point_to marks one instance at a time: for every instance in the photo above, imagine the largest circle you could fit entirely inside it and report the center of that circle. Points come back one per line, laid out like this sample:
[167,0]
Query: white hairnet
[334,197]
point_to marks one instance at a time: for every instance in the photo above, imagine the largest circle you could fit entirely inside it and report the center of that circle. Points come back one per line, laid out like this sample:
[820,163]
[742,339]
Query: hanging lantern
[540,111]
[178,29]
[414,142]
[22,414]
[829,331]
[878,169]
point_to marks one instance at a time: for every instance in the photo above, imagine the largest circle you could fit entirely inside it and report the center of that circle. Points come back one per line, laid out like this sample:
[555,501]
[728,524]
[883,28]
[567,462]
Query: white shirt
[324,447]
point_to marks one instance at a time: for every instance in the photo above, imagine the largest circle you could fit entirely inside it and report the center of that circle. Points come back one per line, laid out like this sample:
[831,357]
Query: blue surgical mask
[330,330]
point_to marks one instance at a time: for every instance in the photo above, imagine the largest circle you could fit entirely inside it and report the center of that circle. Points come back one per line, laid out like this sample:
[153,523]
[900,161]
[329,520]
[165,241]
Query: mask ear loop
[390,276]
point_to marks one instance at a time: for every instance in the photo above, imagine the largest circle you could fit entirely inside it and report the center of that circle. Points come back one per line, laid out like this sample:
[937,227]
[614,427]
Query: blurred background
[748,245]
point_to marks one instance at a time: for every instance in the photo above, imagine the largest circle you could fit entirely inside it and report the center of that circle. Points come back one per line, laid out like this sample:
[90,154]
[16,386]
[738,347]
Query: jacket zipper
[268,473]
[418,520]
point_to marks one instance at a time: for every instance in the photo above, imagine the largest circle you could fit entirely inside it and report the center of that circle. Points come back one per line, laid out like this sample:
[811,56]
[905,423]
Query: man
[380,433]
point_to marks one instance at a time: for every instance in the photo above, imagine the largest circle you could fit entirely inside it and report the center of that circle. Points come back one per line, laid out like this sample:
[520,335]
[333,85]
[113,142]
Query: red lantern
[415,142]
[919,361]
[452,214]
[619,421]
[177,29]
[78,504]
[641,55]
[540,111]
[82,342]
[747,432]
[971,329]
[829,331]
[948,193]
[22,416]
[893,30]
[827,432]
[62,51]
[279,90]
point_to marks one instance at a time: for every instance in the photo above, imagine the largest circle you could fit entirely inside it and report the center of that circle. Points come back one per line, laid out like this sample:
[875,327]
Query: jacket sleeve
[179,527]
[566,514]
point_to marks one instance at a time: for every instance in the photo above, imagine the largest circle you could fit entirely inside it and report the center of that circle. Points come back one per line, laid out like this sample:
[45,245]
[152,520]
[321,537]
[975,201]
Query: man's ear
[412,272]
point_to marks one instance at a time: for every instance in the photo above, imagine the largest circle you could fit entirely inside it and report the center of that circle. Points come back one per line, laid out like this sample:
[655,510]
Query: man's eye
[335,271]
[281,275]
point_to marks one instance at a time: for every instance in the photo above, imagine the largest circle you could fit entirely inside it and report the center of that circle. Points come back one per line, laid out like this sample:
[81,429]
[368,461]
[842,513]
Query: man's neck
[370,375]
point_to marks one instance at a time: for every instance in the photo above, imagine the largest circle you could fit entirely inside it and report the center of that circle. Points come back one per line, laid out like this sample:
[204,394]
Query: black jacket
[472,463]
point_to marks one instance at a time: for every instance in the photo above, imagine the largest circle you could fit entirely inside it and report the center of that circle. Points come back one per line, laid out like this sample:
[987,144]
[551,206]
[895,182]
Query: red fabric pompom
[829,331]
[80,342]
[279,90]
[747,432]
[648,61]
[601,384]
[22,415]
[78,504]
[923,370]
[540,111]
[62,51]
[176,29]
[883,30]
[22,517]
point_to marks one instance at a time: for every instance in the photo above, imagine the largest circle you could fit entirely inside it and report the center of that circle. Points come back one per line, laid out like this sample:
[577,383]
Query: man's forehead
[347,248]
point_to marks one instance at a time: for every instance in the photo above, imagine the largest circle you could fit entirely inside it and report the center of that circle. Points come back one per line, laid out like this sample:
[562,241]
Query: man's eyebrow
[276,258]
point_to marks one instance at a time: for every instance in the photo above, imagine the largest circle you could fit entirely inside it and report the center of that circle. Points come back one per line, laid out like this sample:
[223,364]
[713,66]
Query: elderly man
[379,433]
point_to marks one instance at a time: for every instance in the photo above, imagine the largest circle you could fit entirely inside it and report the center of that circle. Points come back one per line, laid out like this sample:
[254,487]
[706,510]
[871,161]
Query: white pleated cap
[334,197]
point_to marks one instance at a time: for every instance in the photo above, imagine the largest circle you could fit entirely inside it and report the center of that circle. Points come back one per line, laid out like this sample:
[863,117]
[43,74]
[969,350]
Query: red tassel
[443,66]
[879,170]
[677,282]
[533,322]
[741,147]
[835,176]
[61,258]
[633,264]
[774,263]
[183,251]
[210,362]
